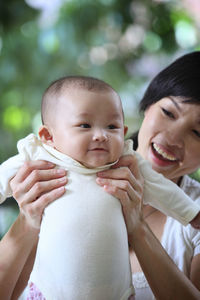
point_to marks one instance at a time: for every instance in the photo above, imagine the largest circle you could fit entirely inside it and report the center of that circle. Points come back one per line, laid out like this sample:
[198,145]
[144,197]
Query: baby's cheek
[119,152]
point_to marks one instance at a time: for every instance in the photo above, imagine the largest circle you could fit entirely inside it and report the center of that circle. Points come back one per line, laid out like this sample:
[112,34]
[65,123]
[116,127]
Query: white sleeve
[8,169]
[165,195]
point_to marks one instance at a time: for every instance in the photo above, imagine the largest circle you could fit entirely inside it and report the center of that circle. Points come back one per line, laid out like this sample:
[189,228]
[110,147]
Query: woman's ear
[46,135]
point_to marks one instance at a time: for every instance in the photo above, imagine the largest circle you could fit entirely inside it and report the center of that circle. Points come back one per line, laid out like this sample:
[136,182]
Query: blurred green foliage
[122,42]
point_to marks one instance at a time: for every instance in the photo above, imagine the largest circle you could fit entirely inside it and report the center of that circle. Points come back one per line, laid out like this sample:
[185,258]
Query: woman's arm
[35,186]
[15,248]
[195,271]
[164,277]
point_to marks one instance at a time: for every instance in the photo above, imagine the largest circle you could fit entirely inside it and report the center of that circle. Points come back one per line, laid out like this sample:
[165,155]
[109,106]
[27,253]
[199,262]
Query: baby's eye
[168,113]
[85,125]
[197,133]
[112,126]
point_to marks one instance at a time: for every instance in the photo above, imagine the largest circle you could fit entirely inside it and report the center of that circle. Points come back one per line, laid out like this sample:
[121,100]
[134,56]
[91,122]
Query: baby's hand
[196,221]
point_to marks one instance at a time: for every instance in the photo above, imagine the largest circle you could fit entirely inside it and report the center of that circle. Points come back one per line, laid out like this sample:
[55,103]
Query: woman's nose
[100,136]
[175,137]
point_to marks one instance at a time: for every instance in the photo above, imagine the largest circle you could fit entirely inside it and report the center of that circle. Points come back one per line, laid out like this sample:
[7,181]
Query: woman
[169,139]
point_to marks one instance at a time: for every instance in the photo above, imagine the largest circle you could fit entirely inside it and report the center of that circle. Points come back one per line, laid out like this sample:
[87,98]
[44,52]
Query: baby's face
[89,127]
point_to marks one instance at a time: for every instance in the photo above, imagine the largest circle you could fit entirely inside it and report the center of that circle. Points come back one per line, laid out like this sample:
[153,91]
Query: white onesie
[83,248]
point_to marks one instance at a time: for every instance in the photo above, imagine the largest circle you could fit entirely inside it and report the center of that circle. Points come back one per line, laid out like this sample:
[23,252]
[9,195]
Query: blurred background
[124,43]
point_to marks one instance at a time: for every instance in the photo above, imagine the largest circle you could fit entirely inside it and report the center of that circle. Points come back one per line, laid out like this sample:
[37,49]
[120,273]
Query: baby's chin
[97,164]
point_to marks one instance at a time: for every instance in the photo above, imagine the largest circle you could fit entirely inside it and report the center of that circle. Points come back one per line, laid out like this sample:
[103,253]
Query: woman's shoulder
[191,187]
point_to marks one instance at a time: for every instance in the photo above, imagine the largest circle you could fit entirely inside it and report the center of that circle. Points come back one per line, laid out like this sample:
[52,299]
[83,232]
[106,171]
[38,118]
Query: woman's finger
[38,174]
[124,174]
[118,193]
[120,185]
[33,192]
[123,195]
[37,177]
[130,161]
[127,162]
[131,209]
[35,185]
[29,166]
[34,210]
[125,182]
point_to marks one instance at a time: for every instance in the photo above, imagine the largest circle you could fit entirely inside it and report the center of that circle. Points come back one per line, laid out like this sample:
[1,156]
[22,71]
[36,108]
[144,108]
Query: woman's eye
[112,126]
[85,126]
[168,113]
[197,133]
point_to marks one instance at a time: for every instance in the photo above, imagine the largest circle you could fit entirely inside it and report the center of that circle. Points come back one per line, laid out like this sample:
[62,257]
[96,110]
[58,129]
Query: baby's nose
[100,136]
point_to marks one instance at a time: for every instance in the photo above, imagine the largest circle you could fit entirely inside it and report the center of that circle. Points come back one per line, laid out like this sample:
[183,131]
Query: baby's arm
[166,196]
[27,150]
[8,169]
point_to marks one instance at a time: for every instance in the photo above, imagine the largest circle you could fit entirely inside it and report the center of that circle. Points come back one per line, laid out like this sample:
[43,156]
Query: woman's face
[169,137]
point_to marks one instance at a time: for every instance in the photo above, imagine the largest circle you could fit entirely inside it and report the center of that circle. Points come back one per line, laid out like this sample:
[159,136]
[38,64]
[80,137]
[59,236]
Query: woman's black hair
[134,138]
[181,78]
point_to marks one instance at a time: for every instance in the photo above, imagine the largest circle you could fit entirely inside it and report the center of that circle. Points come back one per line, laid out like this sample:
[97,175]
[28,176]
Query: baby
[83,248]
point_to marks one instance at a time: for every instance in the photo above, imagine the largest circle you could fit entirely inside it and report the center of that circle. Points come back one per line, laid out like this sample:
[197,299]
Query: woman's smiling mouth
[161,154]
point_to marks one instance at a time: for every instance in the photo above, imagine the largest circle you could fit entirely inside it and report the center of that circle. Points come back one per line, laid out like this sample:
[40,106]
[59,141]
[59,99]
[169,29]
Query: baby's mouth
[98,149]
[160,153]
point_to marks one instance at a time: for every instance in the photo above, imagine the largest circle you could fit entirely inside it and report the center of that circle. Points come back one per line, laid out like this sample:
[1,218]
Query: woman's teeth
[163,154]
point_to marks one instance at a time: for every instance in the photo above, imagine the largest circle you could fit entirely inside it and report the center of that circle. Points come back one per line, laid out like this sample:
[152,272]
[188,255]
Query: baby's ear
[125,130]
[46,135]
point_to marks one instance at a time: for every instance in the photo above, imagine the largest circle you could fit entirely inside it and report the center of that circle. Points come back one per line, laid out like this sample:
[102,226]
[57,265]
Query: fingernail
[61,171]
[99,180]
[50,164]
[101,174]
[61,189]
[63,179]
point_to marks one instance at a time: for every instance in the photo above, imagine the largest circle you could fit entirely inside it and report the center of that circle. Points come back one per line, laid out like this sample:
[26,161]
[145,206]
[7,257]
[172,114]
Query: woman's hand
[36,185]
[125,182]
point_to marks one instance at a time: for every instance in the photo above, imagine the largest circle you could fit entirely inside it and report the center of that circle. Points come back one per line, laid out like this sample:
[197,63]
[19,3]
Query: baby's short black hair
[53,92]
